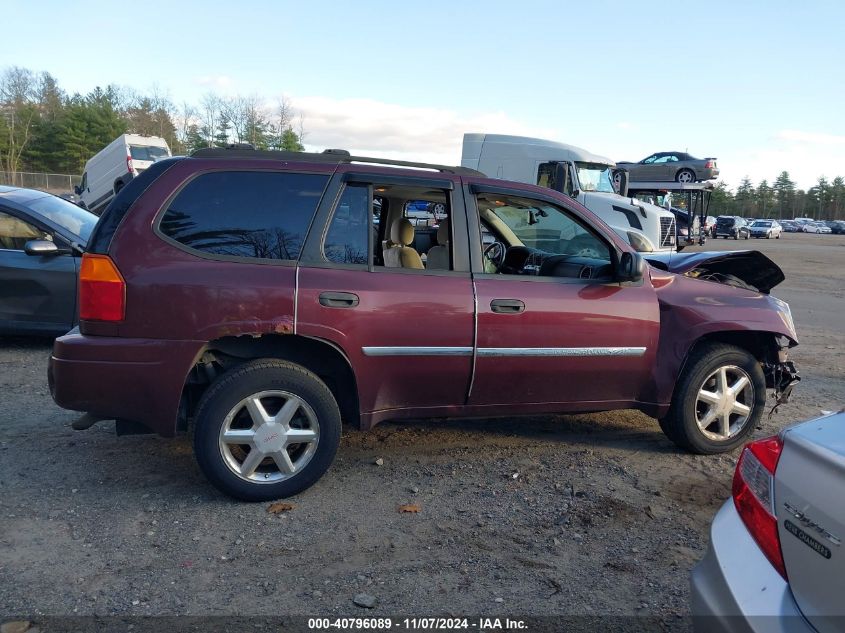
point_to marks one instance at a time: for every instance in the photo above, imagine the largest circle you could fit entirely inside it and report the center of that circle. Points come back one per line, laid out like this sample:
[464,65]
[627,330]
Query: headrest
[402,232]
[443,233]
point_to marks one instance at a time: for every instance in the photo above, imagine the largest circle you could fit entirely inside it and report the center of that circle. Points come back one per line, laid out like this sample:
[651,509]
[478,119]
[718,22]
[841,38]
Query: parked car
[247,294]
[838,227]
[765,228]
[775,556]
[790,226]
[731,226]
[815,227]
[41,239]
[710,226]
[111,169]
[677,166]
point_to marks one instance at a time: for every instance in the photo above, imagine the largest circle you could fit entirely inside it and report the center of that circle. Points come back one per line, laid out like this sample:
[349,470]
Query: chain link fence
[54,183]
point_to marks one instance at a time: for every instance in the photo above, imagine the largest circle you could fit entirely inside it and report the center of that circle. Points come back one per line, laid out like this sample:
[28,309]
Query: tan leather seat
[400,254]
[438,256]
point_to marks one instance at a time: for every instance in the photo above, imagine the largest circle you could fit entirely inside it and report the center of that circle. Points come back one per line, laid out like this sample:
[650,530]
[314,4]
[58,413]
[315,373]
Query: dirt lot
[589,514]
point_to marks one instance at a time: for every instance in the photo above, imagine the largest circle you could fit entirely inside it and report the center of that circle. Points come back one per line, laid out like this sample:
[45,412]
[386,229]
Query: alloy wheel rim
[685,177]
[269,436]
[724,403]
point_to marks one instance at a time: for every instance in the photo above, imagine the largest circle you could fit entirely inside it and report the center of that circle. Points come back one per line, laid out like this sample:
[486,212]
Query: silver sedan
[776,561]
[671,166]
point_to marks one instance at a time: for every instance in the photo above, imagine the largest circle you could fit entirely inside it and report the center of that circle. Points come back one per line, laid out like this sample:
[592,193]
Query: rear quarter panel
[810,495]
[175,294]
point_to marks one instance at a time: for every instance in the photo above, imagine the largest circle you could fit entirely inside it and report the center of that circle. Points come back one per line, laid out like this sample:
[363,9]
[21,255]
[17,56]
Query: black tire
[736,235]
[253,377]
[685,175]
[681,426]
[118,186]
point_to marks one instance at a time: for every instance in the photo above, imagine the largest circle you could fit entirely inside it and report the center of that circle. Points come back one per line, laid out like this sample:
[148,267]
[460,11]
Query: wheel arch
[762,345]
[323,358]
[690,170]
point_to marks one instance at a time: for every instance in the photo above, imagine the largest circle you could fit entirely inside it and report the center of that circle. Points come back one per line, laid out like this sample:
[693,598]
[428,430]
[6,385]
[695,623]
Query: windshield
[148,152]
[595,177]
[68,216]
[761,223]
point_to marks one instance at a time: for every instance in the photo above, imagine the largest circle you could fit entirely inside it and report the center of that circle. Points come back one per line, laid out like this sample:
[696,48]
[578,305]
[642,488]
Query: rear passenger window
[264,215]
[346,240]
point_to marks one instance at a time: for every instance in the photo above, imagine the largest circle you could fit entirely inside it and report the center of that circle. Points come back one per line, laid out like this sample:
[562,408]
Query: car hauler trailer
[693,198]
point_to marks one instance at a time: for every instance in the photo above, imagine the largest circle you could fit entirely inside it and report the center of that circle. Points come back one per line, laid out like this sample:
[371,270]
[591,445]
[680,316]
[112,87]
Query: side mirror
[620,182]
[42,248]
[77,190]
[631,267]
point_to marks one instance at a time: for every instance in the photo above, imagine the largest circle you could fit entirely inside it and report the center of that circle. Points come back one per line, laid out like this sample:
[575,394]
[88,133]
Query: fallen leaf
[280,506]
[409,507]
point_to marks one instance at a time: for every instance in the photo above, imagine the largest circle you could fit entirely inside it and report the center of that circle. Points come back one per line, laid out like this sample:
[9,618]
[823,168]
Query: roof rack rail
[331,156]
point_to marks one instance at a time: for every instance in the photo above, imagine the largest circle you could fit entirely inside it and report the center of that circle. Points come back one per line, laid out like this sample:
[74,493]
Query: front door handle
[338,299]
[507,306]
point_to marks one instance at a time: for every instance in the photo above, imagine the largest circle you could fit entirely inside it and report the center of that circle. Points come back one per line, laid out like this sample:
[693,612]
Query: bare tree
[18,92]
[210,114]
[185,118]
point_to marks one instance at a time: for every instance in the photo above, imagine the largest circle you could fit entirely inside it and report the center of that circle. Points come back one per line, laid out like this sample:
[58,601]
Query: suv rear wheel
[266,429]
[718,401]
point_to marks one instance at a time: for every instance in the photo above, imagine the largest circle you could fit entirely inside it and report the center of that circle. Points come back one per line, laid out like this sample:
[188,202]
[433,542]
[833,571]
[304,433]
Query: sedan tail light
[753,494]
[129,164]
[710,164]
[102,290]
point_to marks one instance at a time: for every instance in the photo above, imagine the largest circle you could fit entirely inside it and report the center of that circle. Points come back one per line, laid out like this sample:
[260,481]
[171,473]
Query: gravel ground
[586,514]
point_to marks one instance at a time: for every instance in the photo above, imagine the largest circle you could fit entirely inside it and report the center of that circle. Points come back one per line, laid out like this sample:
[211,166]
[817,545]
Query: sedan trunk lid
[810,508]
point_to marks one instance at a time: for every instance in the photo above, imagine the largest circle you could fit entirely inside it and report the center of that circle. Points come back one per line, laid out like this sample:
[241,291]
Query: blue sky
[758,84]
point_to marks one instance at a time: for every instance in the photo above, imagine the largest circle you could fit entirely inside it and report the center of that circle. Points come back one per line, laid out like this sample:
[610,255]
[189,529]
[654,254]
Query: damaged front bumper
[782,376]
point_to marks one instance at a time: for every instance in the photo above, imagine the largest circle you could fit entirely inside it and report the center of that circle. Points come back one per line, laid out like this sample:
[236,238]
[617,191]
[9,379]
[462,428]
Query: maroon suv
[259,298]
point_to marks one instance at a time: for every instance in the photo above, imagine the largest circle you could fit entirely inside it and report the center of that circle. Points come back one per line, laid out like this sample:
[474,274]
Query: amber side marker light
[102,290]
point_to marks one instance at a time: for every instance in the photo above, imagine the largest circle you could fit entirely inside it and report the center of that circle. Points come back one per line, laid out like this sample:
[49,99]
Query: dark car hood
[752,268]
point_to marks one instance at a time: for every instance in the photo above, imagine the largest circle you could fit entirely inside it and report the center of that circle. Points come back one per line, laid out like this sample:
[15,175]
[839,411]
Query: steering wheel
[495,254]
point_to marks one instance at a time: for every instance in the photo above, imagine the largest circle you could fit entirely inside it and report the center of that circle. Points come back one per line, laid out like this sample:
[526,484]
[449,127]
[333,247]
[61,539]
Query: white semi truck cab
[586,177]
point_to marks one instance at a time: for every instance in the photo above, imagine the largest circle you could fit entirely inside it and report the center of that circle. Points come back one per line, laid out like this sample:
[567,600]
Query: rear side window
[262,215]
[346,240]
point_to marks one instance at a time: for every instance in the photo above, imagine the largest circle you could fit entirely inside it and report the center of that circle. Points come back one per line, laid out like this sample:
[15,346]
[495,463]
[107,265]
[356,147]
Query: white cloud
[216,82]
[813,138]
[376,128]
[805,155]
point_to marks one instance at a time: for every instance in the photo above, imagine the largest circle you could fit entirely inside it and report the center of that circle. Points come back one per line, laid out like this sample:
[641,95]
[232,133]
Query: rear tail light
[710,164]
[753,493]
[129,163]
[102,290]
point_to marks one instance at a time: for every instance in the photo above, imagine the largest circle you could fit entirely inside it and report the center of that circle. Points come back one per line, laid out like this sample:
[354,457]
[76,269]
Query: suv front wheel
[718,401]
[265,430]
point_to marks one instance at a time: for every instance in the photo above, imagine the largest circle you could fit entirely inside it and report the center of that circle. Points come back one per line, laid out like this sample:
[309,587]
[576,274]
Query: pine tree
[784,194]
[291,141]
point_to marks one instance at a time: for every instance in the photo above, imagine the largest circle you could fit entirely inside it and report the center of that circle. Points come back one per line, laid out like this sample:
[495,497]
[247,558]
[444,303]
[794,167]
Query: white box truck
[584,176]
[111,169]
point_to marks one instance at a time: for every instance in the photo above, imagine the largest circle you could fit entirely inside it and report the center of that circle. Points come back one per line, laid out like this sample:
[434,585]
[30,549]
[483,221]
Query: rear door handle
[507,306]
[338,299]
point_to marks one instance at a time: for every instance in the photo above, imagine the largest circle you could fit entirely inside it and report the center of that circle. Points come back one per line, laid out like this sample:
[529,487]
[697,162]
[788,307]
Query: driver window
[523,236]
[15,233]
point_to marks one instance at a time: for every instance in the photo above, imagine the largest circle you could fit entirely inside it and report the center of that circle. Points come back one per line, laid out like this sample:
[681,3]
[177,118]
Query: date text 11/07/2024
[424,624]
